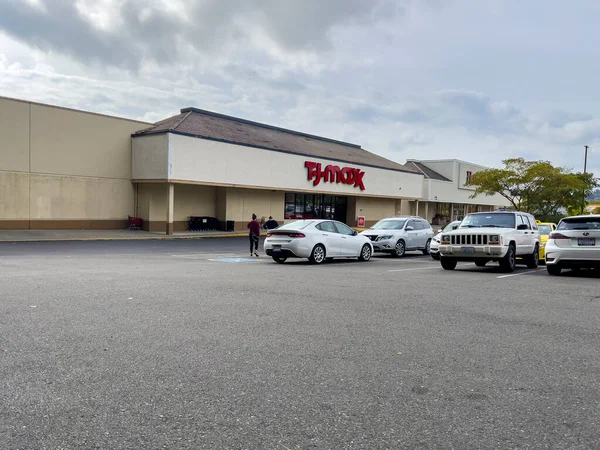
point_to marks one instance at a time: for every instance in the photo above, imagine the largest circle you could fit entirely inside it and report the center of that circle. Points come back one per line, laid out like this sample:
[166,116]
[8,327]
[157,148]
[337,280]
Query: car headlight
[494,239]
[384,238]
[436,239]
[445,239]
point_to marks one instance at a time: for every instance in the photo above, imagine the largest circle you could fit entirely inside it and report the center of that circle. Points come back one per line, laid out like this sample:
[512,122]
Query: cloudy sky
[479,80]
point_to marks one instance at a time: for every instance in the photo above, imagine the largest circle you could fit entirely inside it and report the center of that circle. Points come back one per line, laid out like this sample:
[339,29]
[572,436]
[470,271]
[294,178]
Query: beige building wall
[374,209]
[61,168]
[14,136]
[403,208]
[14,200]
[79,202]
[150,157]
[242,203]
[231,204]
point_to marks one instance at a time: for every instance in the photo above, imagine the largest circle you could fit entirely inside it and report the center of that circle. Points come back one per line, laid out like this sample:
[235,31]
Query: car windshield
[491,220]
[580,223]
[451,226]
[297,225]
[389,225]
[544,229]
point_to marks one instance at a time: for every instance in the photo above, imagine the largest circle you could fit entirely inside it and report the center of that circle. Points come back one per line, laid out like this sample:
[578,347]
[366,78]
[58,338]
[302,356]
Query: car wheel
[435,256]
[318,254]
[507,264]
[279,259]
[448,264]
[365,253]
[533,260]
[481,263]
[554,270]
[427,247]
[400,249]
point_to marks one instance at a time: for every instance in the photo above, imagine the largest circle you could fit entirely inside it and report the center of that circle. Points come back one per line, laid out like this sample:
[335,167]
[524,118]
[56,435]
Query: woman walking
[254,234]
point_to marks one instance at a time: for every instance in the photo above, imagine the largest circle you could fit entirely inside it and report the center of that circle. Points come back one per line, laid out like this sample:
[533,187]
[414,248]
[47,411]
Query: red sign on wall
[333,174]
[361,222]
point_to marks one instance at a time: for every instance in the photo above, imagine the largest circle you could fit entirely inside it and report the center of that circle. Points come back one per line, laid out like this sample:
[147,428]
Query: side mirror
[355,233]
[409,228]
[522,227]
[454,227]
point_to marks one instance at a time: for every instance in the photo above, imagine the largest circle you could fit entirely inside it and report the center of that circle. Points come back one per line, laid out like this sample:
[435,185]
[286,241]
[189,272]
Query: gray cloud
[155,31]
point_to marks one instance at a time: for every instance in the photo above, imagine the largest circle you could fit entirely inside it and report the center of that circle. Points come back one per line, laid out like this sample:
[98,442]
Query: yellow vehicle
[545,229]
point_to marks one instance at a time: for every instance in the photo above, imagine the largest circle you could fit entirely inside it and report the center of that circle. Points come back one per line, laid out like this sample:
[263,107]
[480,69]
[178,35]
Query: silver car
[398,235]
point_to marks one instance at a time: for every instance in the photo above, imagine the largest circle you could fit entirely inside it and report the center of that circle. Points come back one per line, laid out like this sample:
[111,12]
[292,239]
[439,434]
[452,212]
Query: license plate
[586,241]
[276,249]
[468,250]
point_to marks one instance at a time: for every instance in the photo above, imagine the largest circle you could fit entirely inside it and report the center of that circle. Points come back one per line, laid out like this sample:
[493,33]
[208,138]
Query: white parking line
[517,274]
[424,268]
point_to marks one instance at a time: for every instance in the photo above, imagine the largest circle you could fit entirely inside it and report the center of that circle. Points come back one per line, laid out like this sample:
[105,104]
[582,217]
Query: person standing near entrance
[271,223]
[254,235]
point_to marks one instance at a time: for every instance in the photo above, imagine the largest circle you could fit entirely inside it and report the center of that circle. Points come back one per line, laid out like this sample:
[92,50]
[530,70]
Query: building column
[416,207]
[427,211]
[451,212]
[170,207]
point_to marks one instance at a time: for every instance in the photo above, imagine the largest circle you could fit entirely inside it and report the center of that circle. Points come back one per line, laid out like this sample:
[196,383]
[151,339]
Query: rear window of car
[544,229]
[580,223]
[297,225]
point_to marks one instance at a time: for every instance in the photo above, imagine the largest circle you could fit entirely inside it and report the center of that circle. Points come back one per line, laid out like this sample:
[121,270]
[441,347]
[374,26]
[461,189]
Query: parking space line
[423,268]
[520,273]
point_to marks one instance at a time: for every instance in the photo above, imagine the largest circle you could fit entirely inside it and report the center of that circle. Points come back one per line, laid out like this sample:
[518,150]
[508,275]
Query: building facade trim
[278,150]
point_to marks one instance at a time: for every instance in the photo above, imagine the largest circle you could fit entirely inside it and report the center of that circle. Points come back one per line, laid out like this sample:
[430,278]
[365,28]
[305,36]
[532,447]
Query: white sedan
[574,244]
[317,240]
[435,242]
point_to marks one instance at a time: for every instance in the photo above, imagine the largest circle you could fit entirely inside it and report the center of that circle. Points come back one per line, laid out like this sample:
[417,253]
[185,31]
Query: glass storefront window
[317,206]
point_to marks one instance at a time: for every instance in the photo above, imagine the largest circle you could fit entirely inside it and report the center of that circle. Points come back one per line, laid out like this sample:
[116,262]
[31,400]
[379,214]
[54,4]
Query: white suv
[397,235]
[501,236]
[574,244]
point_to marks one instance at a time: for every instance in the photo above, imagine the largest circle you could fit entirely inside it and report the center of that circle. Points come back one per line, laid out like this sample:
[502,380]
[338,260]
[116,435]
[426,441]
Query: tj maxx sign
[333,174]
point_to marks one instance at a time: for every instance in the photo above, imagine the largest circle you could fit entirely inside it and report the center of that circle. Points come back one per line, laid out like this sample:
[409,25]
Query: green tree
[536,187]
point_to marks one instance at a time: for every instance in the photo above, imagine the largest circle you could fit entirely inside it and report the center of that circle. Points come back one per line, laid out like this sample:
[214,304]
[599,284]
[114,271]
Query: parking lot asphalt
[193,344]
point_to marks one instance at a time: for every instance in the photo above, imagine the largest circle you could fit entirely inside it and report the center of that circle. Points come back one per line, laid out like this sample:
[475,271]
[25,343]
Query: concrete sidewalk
[105,235]
[110,235]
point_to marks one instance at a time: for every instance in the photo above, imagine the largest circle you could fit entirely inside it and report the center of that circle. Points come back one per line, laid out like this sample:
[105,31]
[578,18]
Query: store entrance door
[316,206]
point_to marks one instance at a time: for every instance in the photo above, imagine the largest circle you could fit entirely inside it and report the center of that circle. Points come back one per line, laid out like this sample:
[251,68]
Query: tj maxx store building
[67,169]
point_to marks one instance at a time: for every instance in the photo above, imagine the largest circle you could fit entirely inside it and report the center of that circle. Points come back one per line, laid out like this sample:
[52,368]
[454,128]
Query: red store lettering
[333,174]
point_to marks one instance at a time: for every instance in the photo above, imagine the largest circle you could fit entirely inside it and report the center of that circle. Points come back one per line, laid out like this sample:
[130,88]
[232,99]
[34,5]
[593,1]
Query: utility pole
[584,172]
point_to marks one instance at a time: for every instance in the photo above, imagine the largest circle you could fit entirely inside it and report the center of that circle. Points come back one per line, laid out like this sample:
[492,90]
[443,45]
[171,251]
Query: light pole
[584,172]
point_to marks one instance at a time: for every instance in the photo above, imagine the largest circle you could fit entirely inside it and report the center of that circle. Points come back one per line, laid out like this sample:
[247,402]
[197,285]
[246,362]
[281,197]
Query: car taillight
[292,235]
[557,236]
